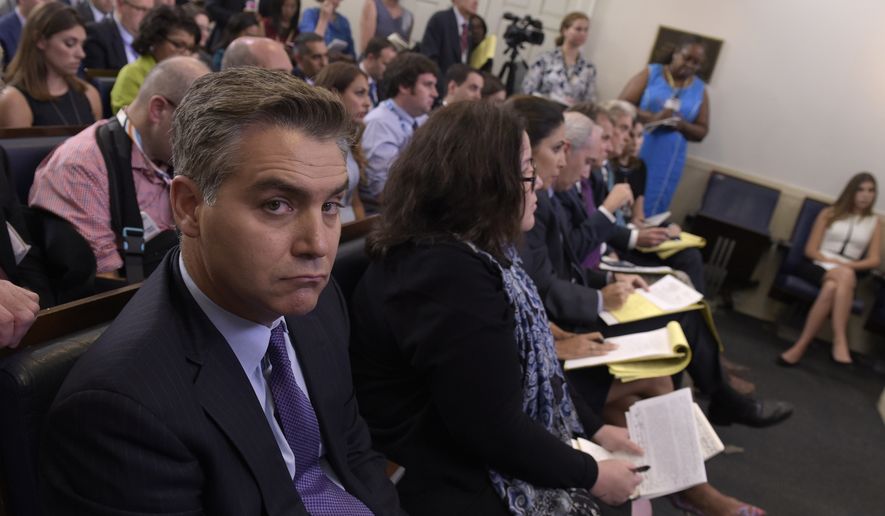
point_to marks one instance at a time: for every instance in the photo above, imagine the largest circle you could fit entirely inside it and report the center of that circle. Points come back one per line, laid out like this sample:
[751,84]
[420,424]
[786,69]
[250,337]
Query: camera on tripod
[523,30]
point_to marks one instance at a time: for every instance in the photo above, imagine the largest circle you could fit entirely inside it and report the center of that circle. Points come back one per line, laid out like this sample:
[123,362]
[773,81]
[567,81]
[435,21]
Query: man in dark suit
[447,38]
[224,386]
[95,10]
[109,41]
[11,25]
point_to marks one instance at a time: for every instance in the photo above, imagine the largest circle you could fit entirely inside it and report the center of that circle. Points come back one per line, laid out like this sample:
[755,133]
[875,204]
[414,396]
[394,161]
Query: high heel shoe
[841,364]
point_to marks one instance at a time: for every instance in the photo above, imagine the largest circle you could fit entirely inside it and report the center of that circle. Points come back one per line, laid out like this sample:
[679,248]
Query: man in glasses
[127,221]
[109,42]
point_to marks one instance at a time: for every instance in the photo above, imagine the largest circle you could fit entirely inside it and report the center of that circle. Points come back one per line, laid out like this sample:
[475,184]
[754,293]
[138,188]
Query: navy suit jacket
[550,261]
[442,43]
[158,416]
[10,34]
[104,46]
[85,11]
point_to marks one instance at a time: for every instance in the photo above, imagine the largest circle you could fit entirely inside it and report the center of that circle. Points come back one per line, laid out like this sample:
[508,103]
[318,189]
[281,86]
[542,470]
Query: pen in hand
[641,469]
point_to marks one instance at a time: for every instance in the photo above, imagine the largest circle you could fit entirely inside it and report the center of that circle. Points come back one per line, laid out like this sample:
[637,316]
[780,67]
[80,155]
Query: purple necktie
[299,423]
[591,261]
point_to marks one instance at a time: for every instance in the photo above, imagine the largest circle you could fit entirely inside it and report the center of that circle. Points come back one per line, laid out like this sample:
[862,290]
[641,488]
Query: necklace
[672,82]
[70,96]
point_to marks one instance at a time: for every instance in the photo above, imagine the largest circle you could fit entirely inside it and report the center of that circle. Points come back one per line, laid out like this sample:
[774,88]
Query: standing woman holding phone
[672,95]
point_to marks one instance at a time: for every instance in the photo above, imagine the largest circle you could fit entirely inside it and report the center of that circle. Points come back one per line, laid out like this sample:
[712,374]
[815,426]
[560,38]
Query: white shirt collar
[21,19]
[96,14]
[127,38]
[248,340]
[459,18]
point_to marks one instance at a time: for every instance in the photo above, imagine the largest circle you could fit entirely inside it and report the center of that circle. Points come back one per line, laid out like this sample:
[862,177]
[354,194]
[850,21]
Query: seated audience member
[165,32]
[352,85]
[618,121]
[454,365]
[42,84]
[239,25]
[331,25]
[109,41]
[95,10]
[378,54]
[563,74]
[446,38]
[381,18]
[410,81]
[573,299]
[73,181]
[201,18]
[194,400]
[310,56]
[11,28]
[260,52]
[492,88]
[483,45]
[282,23]
[221,11]
[844,240]
[630,168]
[462,83]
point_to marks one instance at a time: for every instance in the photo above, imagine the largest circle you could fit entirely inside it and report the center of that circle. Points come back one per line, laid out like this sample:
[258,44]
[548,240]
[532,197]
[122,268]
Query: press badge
[150,227]
[19,247]
[673,103]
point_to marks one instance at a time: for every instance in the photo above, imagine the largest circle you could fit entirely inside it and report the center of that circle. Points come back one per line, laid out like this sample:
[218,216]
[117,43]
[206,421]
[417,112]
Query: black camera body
[523,30]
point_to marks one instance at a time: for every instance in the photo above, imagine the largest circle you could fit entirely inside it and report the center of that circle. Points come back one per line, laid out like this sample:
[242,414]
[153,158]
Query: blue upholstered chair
[787,284]
[22,150]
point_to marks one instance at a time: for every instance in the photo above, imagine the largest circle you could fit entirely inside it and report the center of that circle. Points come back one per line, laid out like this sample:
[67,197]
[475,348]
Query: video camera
[523,30]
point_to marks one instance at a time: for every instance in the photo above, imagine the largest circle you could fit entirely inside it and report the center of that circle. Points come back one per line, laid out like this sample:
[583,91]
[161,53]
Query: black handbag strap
[116,149]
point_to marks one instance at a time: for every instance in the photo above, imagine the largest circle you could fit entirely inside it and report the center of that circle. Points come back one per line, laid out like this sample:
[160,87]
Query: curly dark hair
[446,184]
[159,22]
[404,71]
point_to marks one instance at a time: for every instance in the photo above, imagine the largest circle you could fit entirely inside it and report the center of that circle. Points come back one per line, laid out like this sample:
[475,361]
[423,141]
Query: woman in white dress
[845,239]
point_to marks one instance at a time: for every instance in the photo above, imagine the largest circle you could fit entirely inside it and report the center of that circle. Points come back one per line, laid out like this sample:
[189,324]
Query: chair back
[801,230]
[739,202]
[22,150]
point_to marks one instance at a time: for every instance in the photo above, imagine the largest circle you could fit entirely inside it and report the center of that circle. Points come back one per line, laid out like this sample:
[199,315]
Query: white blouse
[847,239]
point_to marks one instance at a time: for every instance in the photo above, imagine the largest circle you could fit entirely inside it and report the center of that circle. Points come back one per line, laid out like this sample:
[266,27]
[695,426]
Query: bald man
[136,146]
[260,52]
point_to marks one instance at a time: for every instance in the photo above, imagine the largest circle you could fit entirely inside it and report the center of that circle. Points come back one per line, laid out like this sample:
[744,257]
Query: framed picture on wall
[667,40]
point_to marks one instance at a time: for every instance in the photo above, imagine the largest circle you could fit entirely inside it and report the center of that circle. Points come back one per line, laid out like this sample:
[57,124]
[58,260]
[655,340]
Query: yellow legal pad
[661,352]
[670,247]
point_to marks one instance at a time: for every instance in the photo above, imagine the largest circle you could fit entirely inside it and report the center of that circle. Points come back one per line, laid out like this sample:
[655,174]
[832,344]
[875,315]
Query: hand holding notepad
[650,354]
[667,295]
[670,247]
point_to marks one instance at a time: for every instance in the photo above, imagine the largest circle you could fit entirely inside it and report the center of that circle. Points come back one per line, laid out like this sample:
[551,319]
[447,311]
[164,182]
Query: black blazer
[104,46]
[439,382]
[556,270]
[442,43]
[158,416]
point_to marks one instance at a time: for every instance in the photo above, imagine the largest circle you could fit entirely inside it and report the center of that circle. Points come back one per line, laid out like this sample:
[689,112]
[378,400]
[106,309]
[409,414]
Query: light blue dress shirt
[388,129]
[249,342]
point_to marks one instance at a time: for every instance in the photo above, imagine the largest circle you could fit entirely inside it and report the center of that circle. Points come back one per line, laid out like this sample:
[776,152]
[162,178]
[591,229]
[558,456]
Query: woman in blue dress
[673,100]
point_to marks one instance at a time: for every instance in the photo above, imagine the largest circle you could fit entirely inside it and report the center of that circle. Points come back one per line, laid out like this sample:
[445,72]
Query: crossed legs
[834,300]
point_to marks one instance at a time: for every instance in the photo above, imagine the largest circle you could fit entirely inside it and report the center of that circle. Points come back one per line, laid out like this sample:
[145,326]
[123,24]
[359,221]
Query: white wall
[798,94]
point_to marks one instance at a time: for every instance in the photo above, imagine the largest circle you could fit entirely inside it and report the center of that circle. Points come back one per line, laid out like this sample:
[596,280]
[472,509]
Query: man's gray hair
[618,108]
[578,129]
[220,107]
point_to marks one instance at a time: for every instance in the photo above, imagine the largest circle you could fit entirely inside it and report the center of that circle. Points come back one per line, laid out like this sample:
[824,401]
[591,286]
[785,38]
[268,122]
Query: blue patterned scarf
[545,396]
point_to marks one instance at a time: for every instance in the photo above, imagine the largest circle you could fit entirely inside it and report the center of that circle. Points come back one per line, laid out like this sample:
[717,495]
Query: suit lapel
[229,400]
[117,44]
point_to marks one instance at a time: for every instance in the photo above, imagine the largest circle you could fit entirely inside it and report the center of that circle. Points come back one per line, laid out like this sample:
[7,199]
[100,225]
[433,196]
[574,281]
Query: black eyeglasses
[179,46]
[534,179]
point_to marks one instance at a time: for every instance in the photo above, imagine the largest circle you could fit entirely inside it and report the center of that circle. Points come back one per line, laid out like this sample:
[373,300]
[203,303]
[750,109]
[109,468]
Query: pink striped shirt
[72,182]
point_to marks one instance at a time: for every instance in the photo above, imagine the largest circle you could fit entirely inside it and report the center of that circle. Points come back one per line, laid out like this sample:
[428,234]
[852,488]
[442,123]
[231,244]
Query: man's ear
[156,105]
[450,88]
[187,205]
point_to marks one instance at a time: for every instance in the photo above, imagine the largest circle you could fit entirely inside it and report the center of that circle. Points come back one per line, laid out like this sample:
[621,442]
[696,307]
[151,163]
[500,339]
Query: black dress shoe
[749,412]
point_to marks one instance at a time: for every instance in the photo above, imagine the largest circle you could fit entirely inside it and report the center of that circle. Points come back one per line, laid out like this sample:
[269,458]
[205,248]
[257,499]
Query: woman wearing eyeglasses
[165,32]
[453,360]
[672,95]
[43,88]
